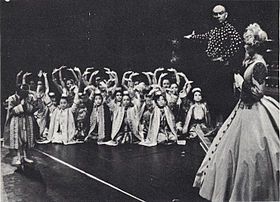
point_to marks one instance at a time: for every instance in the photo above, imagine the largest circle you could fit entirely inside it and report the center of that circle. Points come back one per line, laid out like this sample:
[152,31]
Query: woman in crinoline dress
[242,163]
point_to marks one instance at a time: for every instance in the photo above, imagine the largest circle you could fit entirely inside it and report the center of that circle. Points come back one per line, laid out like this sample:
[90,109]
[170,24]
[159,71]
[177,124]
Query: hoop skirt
[242,163]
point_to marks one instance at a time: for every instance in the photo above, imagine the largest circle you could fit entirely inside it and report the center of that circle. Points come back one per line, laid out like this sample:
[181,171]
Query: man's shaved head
[219,9]
[219,13]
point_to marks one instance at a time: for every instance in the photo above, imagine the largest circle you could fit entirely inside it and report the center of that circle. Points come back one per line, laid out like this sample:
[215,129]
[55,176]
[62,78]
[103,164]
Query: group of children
[88,107]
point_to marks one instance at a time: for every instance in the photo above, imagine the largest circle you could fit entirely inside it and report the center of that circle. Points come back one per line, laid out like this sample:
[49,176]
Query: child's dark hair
[65,97]
[158,95]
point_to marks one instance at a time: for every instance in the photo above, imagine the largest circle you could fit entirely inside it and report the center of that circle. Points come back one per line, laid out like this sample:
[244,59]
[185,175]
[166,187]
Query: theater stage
[87,172]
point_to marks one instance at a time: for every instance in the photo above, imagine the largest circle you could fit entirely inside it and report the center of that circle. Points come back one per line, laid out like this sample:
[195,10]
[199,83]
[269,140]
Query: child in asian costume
[100,119]
[145,116]
[125,123]
[41,115]
[62,125]
[162,127]
[81,117]
[20,125]
[197,122]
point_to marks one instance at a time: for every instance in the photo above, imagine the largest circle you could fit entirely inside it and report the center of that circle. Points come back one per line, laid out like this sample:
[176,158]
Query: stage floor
[87,172]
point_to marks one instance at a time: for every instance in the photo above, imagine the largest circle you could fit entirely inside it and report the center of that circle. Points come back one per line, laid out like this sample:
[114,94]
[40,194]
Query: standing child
[20,124]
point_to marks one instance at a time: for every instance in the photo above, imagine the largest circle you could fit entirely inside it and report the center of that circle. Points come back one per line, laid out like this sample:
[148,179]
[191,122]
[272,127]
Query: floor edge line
[88,174]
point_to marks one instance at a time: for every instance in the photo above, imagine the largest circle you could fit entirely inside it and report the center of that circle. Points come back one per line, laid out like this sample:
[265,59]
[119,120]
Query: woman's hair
[255,36]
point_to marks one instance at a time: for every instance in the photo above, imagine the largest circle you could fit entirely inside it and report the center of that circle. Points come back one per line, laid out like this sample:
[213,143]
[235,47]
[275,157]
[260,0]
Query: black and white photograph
[140,100]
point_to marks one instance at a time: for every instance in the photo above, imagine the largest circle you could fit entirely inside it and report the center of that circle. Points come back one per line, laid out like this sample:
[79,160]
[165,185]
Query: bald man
[223,40]
[223,44]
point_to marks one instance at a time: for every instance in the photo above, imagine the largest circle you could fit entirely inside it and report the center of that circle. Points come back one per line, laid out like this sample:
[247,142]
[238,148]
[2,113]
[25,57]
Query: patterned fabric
[80,120]
[19,126]
[125,134]
[145,122]
[97,120]
[132,119]
[81,114]
[161,119]
[259,72]
[41,115]
[197,114]
[62,126]
[223,41]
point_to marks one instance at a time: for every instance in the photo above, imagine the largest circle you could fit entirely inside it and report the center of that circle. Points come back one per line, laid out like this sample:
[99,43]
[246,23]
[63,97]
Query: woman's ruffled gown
[242,163]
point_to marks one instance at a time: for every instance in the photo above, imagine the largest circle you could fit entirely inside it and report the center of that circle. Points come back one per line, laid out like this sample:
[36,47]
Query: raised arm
[79,74]
[54,80]
[160,78]
[115,78]
[24,77]
[148,74]
[92,76]
[18,83]
[85,75]
[187,86]
[132,75]
[77,80]
[60,76]
[204,36]
[76,100]
[47,87]
[155,81]
[124,79]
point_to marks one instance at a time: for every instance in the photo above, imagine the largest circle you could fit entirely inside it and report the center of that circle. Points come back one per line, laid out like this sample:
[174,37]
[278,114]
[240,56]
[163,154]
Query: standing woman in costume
[242,163]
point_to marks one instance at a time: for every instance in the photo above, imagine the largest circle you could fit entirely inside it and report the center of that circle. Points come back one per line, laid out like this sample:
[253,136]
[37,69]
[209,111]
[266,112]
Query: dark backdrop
[122,34]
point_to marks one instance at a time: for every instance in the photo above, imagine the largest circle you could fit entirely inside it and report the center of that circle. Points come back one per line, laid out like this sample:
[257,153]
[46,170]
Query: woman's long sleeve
[252,90]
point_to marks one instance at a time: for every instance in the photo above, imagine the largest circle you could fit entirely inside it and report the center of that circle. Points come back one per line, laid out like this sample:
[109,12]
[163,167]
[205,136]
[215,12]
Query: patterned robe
[129,117]
[162,126]
[100,123]
[62,125]
[20,125]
